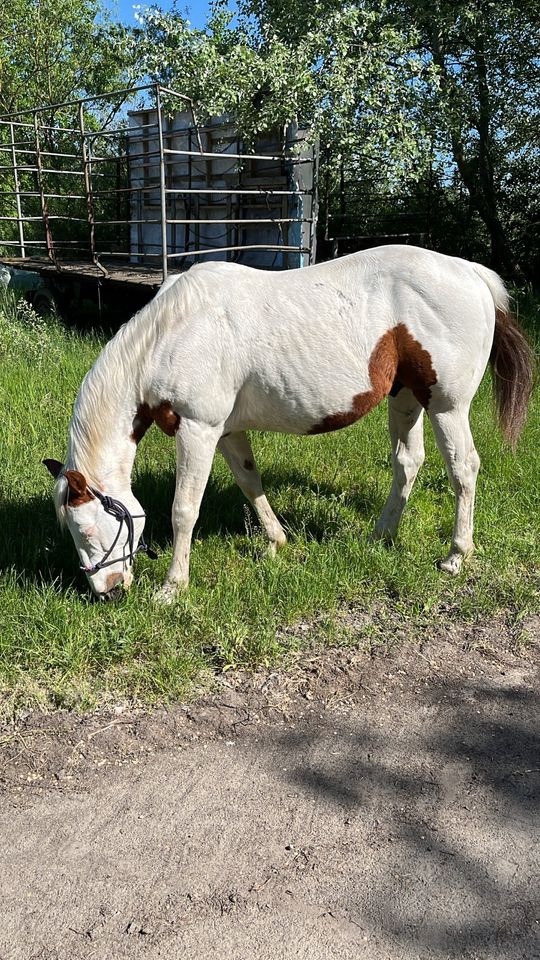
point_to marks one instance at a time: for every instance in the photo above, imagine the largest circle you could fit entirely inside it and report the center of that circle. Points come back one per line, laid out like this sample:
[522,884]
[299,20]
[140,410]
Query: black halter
[121,513]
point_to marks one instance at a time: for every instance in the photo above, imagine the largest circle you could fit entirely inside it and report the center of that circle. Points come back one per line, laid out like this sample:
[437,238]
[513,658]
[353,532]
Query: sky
[195,10]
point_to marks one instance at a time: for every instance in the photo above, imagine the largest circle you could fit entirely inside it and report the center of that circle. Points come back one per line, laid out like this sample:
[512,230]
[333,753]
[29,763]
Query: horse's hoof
[451,565]
[454,561]
[382,535]
[168,593]
[275,545]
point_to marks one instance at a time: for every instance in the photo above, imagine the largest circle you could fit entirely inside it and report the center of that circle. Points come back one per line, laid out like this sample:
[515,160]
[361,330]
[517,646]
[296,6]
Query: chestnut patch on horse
[398,360]
[415,368]
[163,415]
[113,579]
[143,419]
[78,492]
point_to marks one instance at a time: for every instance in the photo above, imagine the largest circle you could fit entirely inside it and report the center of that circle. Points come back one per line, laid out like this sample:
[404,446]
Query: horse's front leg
[195,446]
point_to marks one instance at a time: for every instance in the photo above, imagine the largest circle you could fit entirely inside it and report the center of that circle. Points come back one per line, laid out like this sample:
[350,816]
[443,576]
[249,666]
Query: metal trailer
[102,197]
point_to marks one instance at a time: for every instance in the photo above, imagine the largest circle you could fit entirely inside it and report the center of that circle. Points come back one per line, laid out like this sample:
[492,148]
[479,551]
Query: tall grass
[59,647]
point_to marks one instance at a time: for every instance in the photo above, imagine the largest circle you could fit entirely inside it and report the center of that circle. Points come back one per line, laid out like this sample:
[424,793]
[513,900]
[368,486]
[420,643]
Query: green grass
[57,647]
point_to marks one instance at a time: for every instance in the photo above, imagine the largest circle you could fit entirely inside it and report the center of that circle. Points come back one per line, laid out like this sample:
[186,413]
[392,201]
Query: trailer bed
[82,293]
[114,273]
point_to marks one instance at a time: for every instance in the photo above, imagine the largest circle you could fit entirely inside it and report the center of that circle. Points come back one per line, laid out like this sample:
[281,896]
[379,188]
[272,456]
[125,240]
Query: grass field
[57,647]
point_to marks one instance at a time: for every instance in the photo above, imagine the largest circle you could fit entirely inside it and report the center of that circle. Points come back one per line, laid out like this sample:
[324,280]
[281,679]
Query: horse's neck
[101,444]
[102,451]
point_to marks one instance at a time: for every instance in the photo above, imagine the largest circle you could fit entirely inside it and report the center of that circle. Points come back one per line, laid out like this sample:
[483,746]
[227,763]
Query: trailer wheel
[43,302]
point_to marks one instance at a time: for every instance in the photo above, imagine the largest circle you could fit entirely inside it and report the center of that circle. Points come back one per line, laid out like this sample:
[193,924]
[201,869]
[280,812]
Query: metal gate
[131,178]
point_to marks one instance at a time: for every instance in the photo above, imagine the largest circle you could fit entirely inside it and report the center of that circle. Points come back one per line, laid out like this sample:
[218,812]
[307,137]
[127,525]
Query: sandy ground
[355,806]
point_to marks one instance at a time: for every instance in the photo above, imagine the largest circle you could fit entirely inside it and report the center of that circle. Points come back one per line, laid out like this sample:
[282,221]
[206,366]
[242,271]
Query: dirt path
[355,807]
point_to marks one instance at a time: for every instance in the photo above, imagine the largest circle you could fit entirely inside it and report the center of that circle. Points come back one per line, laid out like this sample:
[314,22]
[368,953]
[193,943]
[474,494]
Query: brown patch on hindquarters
[397,358]
[163,415]
[248,465]
[415,368]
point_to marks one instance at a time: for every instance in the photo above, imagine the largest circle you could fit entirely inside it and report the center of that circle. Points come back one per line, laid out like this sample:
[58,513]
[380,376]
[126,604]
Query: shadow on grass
[223,506]
[34,547]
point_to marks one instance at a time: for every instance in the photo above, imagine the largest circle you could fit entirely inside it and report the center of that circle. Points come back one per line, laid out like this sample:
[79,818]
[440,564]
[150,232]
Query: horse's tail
[512,361]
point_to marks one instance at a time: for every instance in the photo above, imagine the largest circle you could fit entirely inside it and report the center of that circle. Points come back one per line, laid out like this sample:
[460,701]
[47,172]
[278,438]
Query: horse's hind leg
[237,451]
[454,439]
[406,425]
[195,446]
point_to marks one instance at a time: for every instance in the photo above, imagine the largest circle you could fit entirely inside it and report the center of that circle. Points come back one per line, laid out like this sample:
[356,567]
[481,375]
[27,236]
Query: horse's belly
[287,408]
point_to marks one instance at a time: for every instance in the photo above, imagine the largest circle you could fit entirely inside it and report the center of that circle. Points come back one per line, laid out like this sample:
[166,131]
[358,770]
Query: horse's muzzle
[114,585]
[115,594]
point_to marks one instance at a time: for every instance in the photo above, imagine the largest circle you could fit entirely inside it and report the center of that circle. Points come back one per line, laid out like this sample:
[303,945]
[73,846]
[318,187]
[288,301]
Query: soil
[381,806]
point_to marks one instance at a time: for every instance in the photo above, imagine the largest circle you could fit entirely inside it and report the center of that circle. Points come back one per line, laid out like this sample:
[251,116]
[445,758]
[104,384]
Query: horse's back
[294,350]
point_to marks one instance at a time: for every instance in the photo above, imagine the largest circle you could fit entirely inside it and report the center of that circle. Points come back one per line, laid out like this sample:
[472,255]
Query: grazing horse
[226,348]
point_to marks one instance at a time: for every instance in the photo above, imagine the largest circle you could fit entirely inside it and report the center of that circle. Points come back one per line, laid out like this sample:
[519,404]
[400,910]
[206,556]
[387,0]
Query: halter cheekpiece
[121,513]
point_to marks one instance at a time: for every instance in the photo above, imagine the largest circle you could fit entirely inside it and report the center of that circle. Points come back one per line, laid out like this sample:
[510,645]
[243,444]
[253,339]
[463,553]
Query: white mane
[117,376]
[60,493]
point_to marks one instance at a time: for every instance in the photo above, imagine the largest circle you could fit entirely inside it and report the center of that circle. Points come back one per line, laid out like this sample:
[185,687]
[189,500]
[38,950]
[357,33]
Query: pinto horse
[226,348]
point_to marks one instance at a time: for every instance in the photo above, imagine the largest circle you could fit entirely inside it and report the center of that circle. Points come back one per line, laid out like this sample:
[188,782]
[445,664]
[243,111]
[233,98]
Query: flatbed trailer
[82,291]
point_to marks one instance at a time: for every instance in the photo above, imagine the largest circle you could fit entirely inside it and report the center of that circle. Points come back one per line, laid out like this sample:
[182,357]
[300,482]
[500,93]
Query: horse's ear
[54,467]
[77,485]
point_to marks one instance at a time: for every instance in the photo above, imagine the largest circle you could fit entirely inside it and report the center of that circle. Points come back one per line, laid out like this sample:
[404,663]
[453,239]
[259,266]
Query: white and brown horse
[225,348]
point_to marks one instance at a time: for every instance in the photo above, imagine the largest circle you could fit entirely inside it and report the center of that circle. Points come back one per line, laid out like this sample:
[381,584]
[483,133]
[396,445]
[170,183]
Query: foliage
[396,90]
[55,50]
[484,108]
[403,95]
[335,68]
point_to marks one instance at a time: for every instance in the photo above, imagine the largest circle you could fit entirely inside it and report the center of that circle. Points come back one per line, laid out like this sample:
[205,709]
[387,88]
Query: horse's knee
[474,461]
[184,515]
[463,473]
[415,459]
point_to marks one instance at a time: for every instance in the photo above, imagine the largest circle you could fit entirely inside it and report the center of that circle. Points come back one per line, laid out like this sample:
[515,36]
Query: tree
[342,70]
[397,91]
[474,94]
[484,104]
[55,50]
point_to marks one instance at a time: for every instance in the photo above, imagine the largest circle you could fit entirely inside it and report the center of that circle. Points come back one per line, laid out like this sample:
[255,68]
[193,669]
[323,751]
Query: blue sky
[195,10]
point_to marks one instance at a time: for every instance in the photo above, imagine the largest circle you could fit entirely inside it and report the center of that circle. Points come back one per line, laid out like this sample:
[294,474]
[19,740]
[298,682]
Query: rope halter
[121,513]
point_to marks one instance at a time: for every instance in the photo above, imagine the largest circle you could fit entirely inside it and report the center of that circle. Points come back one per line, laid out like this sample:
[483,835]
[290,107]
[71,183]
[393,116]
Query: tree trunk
[484,202]
[477,174]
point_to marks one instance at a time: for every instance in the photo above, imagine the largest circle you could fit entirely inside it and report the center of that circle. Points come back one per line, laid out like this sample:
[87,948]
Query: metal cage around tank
[131,180]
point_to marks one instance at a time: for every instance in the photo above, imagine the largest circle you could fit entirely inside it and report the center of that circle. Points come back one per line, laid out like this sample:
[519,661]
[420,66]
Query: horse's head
[107,532]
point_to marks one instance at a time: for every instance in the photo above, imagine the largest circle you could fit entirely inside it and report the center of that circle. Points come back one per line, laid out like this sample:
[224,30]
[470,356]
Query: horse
[225,348]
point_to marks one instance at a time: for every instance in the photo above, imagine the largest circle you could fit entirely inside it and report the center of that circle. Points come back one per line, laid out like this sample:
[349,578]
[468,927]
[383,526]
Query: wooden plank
[117,273]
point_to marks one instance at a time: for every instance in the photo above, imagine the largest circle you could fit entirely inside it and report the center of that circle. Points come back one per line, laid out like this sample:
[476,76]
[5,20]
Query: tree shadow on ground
[440,857]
